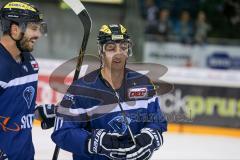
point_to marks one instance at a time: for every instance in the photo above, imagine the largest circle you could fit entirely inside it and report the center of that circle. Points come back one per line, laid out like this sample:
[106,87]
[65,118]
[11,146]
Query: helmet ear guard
[130,53]
[100,50]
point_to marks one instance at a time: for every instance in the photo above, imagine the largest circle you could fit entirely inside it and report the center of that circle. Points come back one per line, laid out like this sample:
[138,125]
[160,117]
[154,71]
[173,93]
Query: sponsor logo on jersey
[28,95]
[34,65]
[119,125]
[27,121]
[136,93]
[6,126]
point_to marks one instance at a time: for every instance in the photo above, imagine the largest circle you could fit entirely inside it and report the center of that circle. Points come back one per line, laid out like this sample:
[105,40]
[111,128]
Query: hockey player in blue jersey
[90,122]
[22,25]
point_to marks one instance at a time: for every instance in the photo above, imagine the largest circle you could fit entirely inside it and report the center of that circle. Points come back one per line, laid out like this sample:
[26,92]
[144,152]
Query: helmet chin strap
[18,44]
[18,41]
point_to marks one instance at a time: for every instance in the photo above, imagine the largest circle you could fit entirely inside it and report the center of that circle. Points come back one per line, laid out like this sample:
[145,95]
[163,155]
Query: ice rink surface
[176,146]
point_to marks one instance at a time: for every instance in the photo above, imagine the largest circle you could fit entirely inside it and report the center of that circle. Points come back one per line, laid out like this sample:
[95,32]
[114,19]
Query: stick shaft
[83,15]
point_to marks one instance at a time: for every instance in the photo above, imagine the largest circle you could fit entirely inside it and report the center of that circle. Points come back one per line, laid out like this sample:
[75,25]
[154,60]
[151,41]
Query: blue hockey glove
[3,156]
[147,141]
[108,144]
[46,113]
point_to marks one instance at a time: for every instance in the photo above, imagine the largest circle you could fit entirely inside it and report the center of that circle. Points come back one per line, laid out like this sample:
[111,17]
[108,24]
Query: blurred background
[197,40]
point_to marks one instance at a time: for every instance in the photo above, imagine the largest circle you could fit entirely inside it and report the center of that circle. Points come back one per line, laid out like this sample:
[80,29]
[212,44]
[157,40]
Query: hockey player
[22,25]
[90,123]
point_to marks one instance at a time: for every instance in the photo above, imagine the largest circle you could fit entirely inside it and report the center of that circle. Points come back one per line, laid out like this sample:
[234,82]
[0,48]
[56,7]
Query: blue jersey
[18,87]
[91,104]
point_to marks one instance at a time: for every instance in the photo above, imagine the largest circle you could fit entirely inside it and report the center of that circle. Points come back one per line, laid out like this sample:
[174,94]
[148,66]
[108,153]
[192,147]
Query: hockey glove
[147,141]
[46,113]
[108,144]
[3,156]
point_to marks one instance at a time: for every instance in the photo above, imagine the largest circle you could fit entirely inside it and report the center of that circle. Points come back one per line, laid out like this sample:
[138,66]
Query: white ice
[176,146]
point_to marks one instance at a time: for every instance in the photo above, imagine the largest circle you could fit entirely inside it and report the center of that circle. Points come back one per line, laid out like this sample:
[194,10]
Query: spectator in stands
[184,28]
[201,28]
[163,24]
[151,16]
[232,11]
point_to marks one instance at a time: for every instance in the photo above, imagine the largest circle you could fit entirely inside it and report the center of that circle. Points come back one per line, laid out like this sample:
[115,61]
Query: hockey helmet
[18,12]
[112,32]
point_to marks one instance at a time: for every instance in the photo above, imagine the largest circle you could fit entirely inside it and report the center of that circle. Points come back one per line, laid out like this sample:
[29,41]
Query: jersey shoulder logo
[34,65]
[28,95]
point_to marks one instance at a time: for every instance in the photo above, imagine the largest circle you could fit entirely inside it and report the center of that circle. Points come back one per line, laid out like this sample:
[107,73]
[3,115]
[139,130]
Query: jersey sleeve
[5,74]
[156,118]
[3,79]
[1,88]
[70,131]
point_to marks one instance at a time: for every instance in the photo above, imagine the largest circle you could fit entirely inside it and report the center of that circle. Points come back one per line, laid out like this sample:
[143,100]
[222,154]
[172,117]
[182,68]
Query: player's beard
[27,44]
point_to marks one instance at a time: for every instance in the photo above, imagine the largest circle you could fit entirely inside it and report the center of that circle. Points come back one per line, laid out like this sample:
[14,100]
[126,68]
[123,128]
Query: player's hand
[46,114]
[108,144]
[147,142]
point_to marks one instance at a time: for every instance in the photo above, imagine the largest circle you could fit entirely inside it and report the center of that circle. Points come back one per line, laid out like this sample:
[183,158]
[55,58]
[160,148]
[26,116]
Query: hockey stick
[83,15]
[125,117]
[122,111]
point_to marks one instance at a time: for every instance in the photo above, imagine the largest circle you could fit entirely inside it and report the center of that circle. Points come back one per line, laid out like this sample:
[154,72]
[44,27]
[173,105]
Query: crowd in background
[189,22]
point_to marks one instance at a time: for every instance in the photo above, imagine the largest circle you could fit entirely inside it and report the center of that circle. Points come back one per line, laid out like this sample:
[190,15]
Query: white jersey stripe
[130,105]
[19,81]
[3,84]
